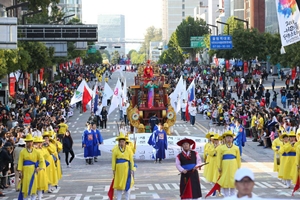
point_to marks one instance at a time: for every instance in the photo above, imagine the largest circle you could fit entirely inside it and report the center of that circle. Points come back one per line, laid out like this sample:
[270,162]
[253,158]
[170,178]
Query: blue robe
[239,140]
[161,143]
[99,139]
[151,140]
[89,140]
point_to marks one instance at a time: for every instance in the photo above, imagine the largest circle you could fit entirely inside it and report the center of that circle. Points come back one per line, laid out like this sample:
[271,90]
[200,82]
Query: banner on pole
[289,21]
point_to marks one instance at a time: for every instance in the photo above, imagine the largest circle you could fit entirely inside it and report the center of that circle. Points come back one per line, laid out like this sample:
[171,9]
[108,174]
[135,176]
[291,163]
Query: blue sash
[289,154]
[47,163]
[228,157]
[128,181]
[54,157]
[188,167]
[28,163]
[278,147]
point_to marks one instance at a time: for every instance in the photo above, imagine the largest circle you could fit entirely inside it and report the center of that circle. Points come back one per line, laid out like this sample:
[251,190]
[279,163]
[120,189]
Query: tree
[233,26]
[93,58]
[174,54]
[105,54]
[152,35]
[188,28]
[137,58]
[115,58]
[130,52]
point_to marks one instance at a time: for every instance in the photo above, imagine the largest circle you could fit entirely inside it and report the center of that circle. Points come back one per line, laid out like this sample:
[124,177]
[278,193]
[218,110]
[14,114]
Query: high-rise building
[271,23]
[201,11]
[174,11]
[237,8]
[112,28]
[155,50]
[72,7]
[255,14]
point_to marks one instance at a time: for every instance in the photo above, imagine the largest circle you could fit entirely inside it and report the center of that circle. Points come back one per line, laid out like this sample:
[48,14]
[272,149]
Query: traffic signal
[102,47]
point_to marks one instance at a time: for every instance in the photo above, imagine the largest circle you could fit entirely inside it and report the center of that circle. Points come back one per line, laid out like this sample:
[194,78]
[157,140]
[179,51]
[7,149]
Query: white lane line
[108,127]
[73,126]
[203,179]
[281,184]
[114,127]
[56,191]
[195,128]
[158,187]
[89,189]
[268,185]
[155,196]
[78,197]
[150,187]
[203,187]
[67,198]
[176,132]
[106,189]
[77,118]
[166,186]
[77,128]
[260,185]
[175,186]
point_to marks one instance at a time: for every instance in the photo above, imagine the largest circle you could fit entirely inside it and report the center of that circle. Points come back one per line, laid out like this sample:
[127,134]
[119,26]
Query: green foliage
[115,58]
[35,5]
[130,52]
[233,26]
[137,58]
[152,35]
[93,58]
[105,54]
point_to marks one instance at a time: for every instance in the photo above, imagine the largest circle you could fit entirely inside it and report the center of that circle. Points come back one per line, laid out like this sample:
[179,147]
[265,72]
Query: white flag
[78,93]
[115,102]
[124,92]
[107,93]
[84,94]
[176,95]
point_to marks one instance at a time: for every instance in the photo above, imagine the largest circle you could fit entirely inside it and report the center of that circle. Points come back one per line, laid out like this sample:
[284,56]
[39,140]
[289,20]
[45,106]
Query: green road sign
[197,42]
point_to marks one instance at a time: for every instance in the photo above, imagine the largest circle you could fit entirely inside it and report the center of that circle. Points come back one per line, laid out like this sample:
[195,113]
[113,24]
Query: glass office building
[71,7]
[271,25]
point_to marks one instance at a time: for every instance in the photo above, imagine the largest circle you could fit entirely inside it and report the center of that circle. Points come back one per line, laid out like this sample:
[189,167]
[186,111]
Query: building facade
[174,11]
[72,7]
[201,11]
[155,50]
[271,23]
[255,14]
[237,8]
[111,28]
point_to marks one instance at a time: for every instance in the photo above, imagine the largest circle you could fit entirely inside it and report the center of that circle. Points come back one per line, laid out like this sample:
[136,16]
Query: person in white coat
[193,112]
[183,109]
[124,109]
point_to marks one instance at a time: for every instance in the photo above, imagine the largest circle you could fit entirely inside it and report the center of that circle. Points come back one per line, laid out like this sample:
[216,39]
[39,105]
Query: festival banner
[289,21]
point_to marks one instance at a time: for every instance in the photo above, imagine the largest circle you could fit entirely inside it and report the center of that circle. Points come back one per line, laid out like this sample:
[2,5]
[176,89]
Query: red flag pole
[110,192]
[297,186]
[213,189]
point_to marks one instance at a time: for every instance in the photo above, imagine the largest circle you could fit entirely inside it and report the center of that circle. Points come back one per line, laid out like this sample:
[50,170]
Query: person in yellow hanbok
[29,164]
[52,159]
[293,164]
[228,161]
[122,167]
[275,147]
[213,174]
[42,178]
[288,156]
[205,154]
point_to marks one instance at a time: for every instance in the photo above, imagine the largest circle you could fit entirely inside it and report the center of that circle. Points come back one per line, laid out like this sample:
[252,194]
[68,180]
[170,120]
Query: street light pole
[226,25]
[27,14]
[217,28]
[245,21]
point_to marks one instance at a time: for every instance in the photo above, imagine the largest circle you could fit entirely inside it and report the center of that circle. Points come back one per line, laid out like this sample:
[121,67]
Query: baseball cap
[242,173]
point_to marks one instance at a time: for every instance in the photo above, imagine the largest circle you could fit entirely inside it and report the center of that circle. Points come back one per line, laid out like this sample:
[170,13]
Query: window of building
[183,14]
[183,0]
[183,7]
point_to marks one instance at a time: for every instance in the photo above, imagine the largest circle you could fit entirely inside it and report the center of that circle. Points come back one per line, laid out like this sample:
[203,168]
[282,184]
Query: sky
[139,14]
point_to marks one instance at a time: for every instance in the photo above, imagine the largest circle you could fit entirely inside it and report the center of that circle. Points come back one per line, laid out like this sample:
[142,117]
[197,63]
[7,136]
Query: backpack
[283,99]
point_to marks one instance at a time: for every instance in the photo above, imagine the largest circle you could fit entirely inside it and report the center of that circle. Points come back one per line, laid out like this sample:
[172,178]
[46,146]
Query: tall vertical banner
[289,21]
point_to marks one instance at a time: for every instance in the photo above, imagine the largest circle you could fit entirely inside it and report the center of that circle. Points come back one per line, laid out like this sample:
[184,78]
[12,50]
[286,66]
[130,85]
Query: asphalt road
[152,181]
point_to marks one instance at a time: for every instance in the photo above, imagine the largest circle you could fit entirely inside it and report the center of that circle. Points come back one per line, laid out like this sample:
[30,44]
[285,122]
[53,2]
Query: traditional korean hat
[121,137]
[46,134]
[228,133]
[284,134]
[187,140]
[216,137]
[209,134]
[292,134]
[28,138]
[38,139]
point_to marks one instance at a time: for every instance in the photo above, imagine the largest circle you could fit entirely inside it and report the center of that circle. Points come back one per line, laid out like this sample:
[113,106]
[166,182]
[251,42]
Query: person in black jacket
[68,147]
[103,117]
[5,162]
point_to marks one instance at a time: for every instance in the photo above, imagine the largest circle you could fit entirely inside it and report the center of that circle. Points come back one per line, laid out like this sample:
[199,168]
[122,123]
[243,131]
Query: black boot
[86,161]
[95,159]
[91,161]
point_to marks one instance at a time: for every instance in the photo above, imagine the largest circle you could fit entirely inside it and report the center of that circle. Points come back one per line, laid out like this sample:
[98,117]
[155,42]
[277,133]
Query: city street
[153,181]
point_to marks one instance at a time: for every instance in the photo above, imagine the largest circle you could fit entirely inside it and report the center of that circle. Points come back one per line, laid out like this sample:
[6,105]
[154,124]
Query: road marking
[75,122]
[77,128]
[203,187]
[150,187]
[166,186]
[260,185]
[203,179]
[106,189]
[155,196]
[114,134]
[89,189]
[67,198]
[114,127]
[176,132]
[77,118]
[281,184]
[56,191]
[195,128]
[73,126]
[158,187]
[175,186]
[108,127]
[80,114]
[268,185]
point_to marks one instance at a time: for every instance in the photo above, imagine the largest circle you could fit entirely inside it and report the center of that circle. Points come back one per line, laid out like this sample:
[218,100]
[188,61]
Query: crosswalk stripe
[106,188]
[268,185]
[175,186]
[260,185]
[202,186]
[89,189]
[281,184]
[158,187]
[150,187]
[166,186]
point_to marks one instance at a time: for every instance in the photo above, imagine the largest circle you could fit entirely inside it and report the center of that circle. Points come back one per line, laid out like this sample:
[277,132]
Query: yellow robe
[42,178]
[276,146]
[59,170]
[122,169]
[206,157]
[228,166]
[52,168]
[287,161]
[29,170]
[213,172]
